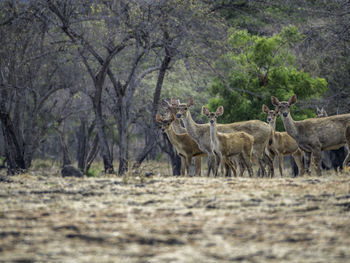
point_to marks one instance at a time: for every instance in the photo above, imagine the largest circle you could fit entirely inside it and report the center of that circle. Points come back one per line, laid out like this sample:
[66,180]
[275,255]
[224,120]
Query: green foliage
[93,171]
[258,67]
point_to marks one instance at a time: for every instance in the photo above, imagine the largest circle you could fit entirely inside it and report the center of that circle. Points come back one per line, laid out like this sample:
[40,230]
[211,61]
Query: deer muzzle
[285,114]
[178,115]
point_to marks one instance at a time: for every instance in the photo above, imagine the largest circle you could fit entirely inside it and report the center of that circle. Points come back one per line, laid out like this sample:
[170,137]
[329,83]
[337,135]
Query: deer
[314,135]
[320,113]
[260,130]
[281,144]
[347,136]
[334,158]
[225,145]
[186,147]
[176,123]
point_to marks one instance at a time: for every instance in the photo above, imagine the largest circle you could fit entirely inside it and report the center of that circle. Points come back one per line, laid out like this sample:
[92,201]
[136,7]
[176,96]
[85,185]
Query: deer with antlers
[225,145]
[281,144]
[186,147]
[261,132]
[314,135]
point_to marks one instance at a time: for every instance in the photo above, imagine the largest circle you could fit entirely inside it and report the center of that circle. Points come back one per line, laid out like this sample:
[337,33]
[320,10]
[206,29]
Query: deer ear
[175,101]
[274,101]
[159,118]
[219,111]
[190,102]
[265,109]
[205,111]
[165,104]
[292,100]
[318,111]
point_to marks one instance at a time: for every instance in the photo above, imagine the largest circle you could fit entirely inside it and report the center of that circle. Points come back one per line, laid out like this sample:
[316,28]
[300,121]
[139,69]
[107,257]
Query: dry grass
[167,219]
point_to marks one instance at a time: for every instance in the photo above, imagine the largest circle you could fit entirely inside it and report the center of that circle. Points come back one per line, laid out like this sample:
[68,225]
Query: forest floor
[47,218]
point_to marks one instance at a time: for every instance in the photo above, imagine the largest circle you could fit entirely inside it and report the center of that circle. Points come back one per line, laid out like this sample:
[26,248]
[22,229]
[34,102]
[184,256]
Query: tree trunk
[66,159]
[13,150]
[122,123]
[152,139]
[174,157]
[105,152]
[82,138]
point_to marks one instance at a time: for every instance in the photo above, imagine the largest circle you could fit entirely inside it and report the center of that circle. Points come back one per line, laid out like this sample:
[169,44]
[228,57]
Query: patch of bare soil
[166,219]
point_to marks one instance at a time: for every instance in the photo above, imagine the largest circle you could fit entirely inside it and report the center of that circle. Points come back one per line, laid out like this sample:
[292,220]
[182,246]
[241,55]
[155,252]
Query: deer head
[321,113]
[212,116]
[271,114]
[283,108]
[171,106]
[182,108]
[165,123]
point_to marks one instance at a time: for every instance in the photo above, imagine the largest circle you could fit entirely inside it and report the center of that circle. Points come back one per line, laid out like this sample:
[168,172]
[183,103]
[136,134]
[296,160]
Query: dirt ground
[174,219]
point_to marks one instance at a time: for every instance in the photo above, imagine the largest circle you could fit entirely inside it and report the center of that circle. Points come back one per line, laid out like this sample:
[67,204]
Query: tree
[31,74]
[256,68]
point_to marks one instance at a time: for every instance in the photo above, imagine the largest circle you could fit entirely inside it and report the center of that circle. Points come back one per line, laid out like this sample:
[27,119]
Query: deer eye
[185,108]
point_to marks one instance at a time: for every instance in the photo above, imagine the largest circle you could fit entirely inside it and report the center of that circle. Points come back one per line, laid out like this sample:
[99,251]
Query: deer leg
[229,165]
[242,166]
[198,166]
[247,162]
[225,164]
[211,164]
[280,164]
[258,157]
[183,165]
[317,155]
[298,158]
[267,159]
[188,165]
[308,162]
[218,158]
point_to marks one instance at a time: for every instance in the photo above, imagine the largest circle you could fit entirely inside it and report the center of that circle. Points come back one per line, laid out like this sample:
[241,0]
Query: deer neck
[289,125]
[176,124]
[272,124]
[213,136]
[191,126]
[171,134]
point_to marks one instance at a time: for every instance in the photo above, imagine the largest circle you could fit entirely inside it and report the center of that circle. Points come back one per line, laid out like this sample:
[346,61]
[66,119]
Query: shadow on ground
[167,219]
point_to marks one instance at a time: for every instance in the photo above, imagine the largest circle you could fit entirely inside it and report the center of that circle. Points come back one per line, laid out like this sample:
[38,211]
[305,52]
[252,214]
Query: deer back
[327,132]
[260,130]
[234,143]
[284,143]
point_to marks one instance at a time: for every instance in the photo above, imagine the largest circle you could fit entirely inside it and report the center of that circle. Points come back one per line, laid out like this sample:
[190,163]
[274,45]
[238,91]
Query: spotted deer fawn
[186,147]
[225,145]
[314,135]
[261,132]
[281,144]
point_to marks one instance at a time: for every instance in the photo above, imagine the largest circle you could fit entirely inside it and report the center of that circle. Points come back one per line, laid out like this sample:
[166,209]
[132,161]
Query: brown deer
[225,145]
[314,135]
[261,132]
[172,109]
[347,136]
[184,144]
[281,144]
